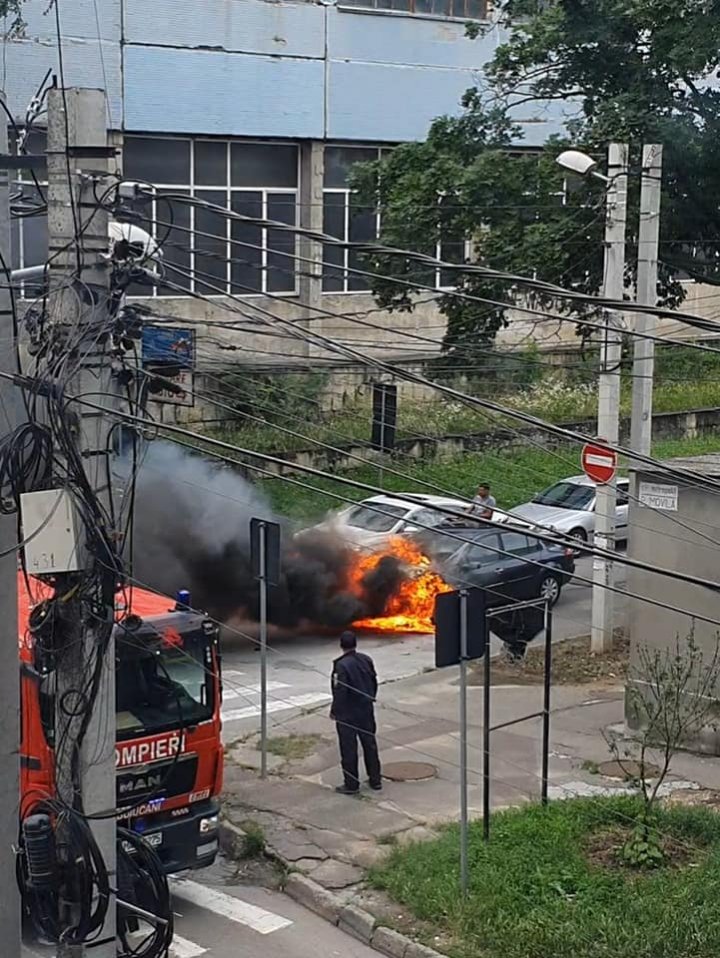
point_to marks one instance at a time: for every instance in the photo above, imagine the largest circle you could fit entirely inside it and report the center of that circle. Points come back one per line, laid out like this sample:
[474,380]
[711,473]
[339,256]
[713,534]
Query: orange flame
[412,606]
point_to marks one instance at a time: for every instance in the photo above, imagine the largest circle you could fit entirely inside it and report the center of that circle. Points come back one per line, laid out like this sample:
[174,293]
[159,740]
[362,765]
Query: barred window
[204,251]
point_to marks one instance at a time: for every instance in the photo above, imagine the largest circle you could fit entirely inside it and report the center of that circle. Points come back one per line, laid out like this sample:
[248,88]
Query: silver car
[568,507]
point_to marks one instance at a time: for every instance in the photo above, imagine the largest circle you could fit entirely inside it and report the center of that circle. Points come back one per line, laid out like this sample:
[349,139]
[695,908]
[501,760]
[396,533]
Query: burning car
[374,522]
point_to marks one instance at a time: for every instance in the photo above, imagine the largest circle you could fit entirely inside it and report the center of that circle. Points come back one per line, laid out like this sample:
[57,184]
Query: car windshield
[378,518]
[163,686]
[566,495]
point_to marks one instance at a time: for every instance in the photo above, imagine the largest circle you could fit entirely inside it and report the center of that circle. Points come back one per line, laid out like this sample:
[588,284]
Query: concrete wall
[260,68]
[684,540]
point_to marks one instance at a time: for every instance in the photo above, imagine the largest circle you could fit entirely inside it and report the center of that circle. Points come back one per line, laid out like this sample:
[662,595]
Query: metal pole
[463,745]
[486,743]
[609,394]
[647,274]
[9,678]
[78,307]
[262,549]
[546,703]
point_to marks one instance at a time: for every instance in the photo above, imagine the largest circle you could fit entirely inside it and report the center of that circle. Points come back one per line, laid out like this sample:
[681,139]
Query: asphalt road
[299,668]
[215,917]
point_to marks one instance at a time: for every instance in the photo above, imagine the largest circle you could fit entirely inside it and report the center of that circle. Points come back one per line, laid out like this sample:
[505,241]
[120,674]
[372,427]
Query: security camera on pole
[609,381]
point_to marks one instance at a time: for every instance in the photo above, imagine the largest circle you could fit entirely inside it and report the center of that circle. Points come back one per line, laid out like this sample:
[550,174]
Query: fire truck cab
[168,756]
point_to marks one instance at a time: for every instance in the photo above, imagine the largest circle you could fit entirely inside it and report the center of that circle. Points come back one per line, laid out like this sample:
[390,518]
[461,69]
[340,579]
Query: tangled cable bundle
[26,459]
[57,847]
[143,884]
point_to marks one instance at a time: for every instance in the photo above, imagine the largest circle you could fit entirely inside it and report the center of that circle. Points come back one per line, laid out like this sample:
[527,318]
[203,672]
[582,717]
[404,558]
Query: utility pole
[9,672]
[78,314]
[647,274]
[609,393]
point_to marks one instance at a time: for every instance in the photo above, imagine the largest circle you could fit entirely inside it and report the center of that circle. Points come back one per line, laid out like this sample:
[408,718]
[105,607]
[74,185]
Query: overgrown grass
[253,838]
[535,893]
[295,426]
[515,476]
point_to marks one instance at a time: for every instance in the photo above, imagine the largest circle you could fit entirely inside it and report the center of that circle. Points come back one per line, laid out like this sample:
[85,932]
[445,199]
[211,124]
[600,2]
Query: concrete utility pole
[609,393]
[645,323]
[78,311]
[9,672]
[312,176]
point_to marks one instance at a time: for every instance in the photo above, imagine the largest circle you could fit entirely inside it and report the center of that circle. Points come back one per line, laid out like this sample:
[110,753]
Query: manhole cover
[409,771]
[627,770]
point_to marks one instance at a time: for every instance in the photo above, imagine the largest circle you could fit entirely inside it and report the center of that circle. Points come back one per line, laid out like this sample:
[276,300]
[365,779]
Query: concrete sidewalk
[334,838]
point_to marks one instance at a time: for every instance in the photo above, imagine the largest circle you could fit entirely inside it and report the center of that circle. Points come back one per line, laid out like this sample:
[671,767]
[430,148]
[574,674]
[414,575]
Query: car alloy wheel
[550,589]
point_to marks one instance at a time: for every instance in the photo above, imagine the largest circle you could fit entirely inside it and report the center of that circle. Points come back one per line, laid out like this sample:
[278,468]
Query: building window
[350,222]
[345,219]
[28,229]
[206,252]
[454,9]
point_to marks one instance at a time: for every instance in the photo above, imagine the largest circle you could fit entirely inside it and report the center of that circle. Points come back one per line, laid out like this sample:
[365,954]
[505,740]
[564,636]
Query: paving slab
[335,874]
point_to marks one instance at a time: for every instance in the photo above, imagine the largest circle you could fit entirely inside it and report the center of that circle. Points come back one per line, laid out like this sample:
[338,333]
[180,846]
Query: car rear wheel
[549,588]
[580,534]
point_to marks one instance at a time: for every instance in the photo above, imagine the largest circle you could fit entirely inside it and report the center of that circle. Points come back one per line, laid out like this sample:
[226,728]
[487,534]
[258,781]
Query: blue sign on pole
[168,345]
[169,352]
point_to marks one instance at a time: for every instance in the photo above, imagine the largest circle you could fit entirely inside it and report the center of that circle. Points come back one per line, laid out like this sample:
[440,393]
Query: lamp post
[609,382]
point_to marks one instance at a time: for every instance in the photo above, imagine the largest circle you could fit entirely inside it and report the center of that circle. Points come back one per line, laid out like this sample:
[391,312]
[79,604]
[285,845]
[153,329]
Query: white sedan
[568,507]
[371,523]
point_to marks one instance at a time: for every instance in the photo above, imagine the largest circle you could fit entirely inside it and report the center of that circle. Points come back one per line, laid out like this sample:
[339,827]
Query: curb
[348,918]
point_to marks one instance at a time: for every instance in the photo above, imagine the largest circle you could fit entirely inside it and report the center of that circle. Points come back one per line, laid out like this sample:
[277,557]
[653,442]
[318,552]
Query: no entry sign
[599,463]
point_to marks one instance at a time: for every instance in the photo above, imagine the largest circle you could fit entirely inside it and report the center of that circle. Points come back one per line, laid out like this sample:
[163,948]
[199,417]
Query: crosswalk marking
[242,912]
[277,705]
[182,948]
[244,691]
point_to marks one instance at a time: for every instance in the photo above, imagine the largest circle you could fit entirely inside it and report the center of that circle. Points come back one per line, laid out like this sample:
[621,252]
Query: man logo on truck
[141,783]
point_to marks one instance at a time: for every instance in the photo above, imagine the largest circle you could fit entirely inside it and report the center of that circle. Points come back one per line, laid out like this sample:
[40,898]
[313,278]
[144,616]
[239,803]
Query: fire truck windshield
[162,686]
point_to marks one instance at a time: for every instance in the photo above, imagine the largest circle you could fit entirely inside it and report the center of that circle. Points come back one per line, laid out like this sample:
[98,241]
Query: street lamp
[601,637]
[577,162]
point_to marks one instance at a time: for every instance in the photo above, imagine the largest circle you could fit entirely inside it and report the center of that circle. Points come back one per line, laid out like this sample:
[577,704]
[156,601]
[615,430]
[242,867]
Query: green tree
[11,11]
[638,71]
[642,71]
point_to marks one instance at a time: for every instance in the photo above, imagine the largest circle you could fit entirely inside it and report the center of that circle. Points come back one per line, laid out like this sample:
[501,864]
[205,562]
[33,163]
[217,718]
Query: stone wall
[687,424]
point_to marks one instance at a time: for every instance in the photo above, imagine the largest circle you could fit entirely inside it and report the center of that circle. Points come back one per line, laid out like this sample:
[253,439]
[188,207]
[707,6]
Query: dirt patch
[604,850]
[573,664]
[292,747]
[628,770]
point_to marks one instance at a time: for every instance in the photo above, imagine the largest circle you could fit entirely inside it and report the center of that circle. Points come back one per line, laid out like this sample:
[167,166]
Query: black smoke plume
[191,531]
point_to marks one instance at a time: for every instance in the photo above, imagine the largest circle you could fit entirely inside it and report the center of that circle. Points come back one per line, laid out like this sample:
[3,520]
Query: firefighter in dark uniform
[354,690]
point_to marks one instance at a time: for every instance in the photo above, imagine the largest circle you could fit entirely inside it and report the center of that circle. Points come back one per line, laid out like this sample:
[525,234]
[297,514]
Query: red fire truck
[169,755]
